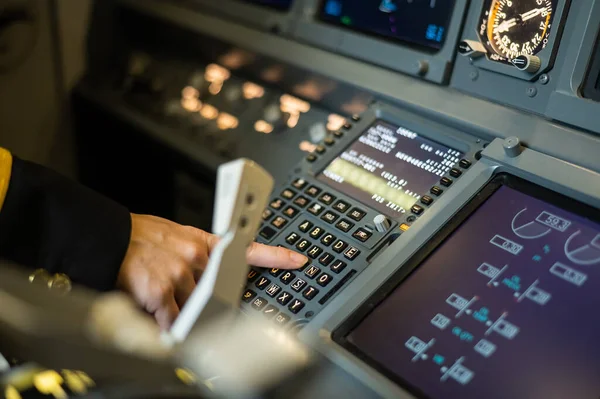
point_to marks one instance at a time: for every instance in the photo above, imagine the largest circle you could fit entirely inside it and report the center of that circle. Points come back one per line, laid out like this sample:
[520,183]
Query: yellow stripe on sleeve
[5,170]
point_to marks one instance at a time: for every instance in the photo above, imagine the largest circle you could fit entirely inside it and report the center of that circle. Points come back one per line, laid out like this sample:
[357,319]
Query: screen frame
[434,67]
[339,335]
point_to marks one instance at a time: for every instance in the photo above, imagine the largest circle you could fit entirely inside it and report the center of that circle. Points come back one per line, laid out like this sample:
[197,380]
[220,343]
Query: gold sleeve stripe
[5,170]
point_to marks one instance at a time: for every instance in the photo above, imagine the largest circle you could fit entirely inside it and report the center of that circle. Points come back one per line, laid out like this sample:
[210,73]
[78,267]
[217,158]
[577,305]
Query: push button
[259,303]
[248,296]
[417,209]
[338,134]
[252,275]
[290,211]
[262,283]
[320,150]
[270,311]
[465,164]
[296,306]
[282,319]
[313,191]
[324,280]
[284,298]
[310,293]
[298,285]
[279,222]
[288,194]
[455,173]
[317,232]
[339,246]
[446,182]
[347,126]
[328,239]
[292,238]
[287,277]
[301,201]
[277,204]
[312,271]
[341,206]
[299,184]
[351,253]
[435,190]
[314,252]
[311,158]
[327,198]
[329,141]
[275,272]
[316,209]
[273,290]
[344,225]
[362,235]
[305,226]
[338,266]
[267,233]
[329,217]
[266,215]
[426,200]
[303,245]
[357,214]
[326,259]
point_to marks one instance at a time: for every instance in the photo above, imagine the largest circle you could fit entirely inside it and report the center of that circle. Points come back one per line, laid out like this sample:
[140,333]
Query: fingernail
[298,259]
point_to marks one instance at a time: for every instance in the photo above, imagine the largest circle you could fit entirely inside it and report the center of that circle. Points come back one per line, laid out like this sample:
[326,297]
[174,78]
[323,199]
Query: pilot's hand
[165,260]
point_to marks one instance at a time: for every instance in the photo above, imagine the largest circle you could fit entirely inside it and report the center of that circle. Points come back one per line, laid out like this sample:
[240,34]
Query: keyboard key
[267,232]
[446,182]
[312,191]
[330,217]
[456,173]
[465,164]
[435,190]
[277,204]
[344,225]
[320,150]
[292,238]
[290,211]
[275,272]
[338,134]
[299,184]
[273,290]
[270,311]
[279,222]
[248,296]
[310,292]
[252,275]
[262,283]
[426,200]
[287,277]
[351,253]
[301,201]
[324,280]
[314,252]
[326,259]
[303,245]
[357,214]
[288,194]
[417,209]
[296,306]
[267,214]
[328,239]
[339,246]
[305,226]
[327,198]
[316,209]
[259,303]
[316,233]
[284,298]
[362,235]
[282,319]
[338,266]
[329,141]
[298,284]
[341,206]
[312,271]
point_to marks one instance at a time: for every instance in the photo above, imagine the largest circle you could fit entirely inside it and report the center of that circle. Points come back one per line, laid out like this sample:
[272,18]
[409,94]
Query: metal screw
[531,91]
[473,75]
[544,79]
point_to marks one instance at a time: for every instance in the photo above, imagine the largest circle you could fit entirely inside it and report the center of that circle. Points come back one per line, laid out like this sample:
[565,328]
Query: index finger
[274,257]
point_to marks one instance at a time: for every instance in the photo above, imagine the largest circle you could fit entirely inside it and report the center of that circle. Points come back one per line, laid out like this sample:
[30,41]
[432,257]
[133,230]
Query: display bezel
[340,334]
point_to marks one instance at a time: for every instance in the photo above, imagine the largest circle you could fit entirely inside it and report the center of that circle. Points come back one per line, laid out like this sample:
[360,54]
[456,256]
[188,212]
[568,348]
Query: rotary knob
[527,63]
[512,147]
[382,223]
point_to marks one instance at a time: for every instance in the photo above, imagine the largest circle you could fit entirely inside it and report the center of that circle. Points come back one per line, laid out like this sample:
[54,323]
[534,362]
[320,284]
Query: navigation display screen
[506,307]
[388,168]
[423,23]
[281,4]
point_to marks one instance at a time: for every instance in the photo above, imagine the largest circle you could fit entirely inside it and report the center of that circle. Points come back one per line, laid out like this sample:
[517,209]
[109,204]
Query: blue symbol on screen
[438,359]
[537,258]
[514,283]
[387,6]
[546,249]
[434,33]
[333,7]
[482,315]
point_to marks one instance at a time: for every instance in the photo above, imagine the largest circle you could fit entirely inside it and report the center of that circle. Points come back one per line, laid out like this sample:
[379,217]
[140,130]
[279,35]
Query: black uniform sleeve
[48,221]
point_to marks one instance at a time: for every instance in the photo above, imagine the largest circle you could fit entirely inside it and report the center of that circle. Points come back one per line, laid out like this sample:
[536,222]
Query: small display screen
[506,307]
[422,23]
[389,167]
[280,4]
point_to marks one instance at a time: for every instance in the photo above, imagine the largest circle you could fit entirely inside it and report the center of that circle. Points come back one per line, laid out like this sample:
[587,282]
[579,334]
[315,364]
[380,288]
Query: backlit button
[287,277]
[310,292]
[341,206]
[298,285]
[281,319]
[266,215]
[455,172]
[329,217]
[316,209]
[357,214]
[303,245]
[339,246]
[277,204]
[326,198]
[324,280]
[435,190]
[279,222]
[259,303]
[417,209]
[248,296]
[262,283]
[329,141]
[311,158]
[362,235]
[275,272]
[284,298]
[338,266]
[313,191]
[273,290]
[326,259]
[446,182]
[314,252]
[351,253]
[299,184]
[404,227]
[426,200]
[267,233]
[292,238]
[270,311]
[290,211]
[312,271]
[328,239]
[320,149]
[338,134]
[296,306]
[288,194]
[465,164]
[305,226]
[317,232]
[344,225]
[301,201]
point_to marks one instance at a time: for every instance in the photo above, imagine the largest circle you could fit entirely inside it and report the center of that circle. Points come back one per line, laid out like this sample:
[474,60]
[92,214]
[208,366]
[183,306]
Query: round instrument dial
[511,28]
